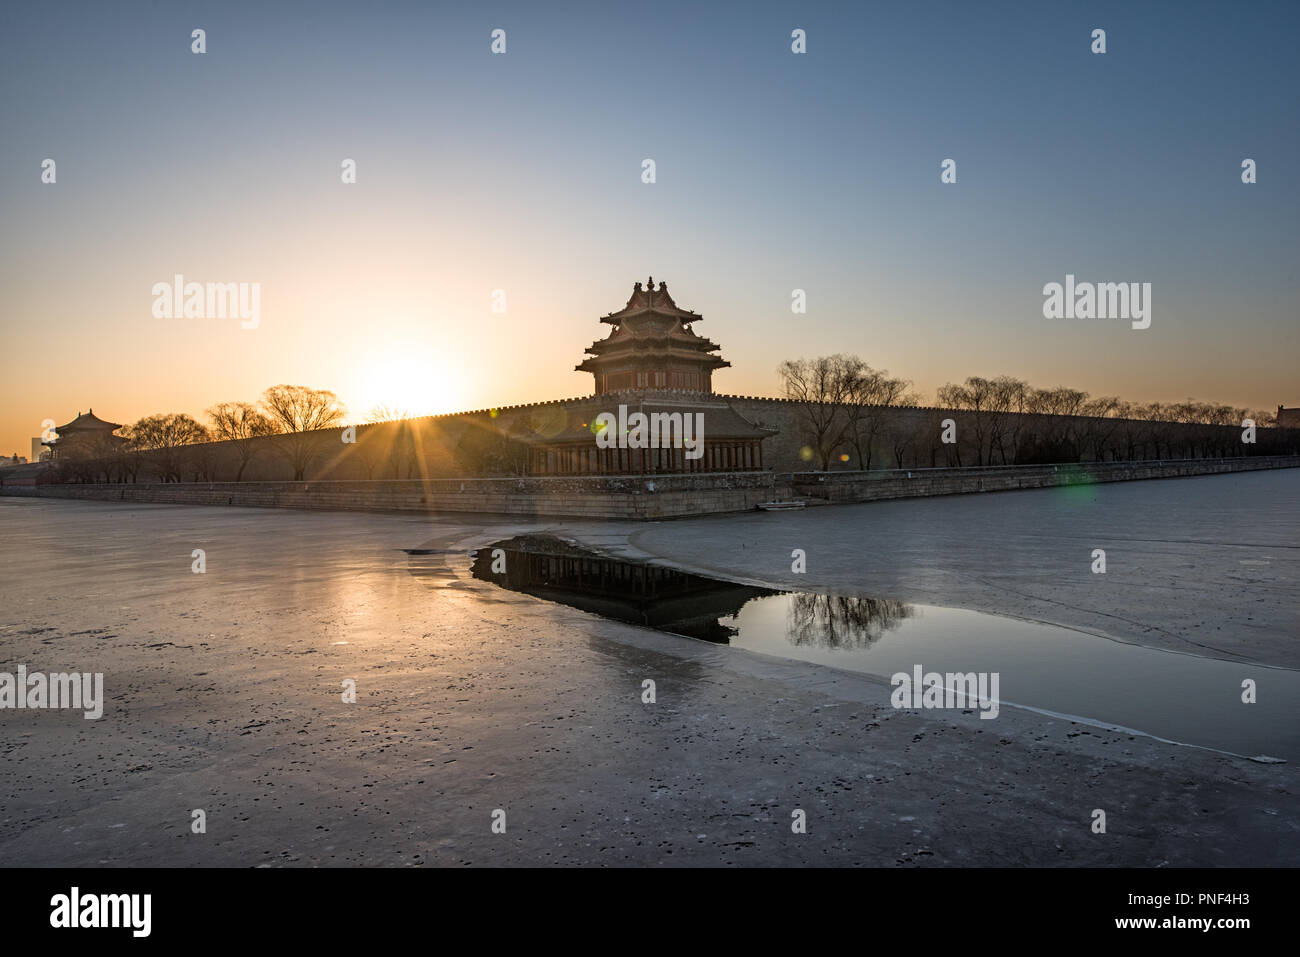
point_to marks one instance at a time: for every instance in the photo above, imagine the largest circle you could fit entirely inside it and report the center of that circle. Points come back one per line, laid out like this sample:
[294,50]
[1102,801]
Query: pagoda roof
[88,422]
[651,326]
[643,334]
[604,359]
[626,342]
[647,299]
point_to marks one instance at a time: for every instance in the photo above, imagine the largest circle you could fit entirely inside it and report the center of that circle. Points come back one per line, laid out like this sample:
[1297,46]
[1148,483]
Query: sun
[403,384]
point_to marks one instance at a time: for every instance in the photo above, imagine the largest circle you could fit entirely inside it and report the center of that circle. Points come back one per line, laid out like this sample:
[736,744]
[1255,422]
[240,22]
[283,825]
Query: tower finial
[650,284]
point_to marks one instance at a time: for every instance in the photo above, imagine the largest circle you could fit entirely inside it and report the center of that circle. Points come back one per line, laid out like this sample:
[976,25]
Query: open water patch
[1183,698]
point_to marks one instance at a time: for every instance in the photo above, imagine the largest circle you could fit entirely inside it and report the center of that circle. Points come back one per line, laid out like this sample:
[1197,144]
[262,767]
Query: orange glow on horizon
[414,385]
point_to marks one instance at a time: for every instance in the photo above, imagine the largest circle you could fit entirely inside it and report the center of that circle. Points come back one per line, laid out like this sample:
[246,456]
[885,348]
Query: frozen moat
[222,690]
[1250,710]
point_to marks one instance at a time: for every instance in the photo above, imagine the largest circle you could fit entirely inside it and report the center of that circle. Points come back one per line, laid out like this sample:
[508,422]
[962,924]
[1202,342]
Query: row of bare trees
[844,403]
[849,412]
[175,444]
[1012,422]
[295,424]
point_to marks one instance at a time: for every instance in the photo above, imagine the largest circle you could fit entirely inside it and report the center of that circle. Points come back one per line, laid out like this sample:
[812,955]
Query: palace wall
[635,497]
[910,438]
[480,443]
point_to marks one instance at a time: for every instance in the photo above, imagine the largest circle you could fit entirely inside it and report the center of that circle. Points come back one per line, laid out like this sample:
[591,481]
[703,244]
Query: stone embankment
[644,498]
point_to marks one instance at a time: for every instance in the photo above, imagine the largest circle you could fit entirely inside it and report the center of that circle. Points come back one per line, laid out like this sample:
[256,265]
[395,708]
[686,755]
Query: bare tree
[821,388]
[1009,399]
[1056,424]
[994,413]
[839,621]
[301,413]
[973,398]
[126,457]
[384,413]
[912,435]
[165,436]
[399,431]
[202,460]
[240,423]
[1130,435]
[872,394]
[486,448]
[841,402]
[1099,424]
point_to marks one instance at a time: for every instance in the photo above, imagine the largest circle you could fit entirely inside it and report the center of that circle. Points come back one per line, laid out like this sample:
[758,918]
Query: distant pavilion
[86,430]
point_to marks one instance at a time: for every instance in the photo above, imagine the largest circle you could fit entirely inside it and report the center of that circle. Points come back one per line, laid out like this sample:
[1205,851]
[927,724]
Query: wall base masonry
[639,498]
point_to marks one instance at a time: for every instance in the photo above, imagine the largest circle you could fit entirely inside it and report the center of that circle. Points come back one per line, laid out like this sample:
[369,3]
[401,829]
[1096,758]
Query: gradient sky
[522,172]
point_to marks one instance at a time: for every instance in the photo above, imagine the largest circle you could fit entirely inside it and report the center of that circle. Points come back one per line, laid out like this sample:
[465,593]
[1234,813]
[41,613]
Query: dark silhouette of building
[87,434]
[652,363]
[652,346]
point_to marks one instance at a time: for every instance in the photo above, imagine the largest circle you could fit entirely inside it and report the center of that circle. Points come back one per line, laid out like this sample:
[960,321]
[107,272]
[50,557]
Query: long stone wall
[910,437]
[841,487]
[629,497]
[467,444]
[637,498]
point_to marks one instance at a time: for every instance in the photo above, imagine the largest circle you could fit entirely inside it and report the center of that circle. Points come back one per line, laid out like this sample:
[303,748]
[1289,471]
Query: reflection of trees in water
[843,622]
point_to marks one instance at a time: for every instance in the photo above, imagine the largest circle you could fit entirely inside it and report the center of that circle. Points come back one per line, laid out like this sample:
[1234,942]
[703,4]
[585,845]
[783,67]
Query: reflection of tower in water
[636,592]
[674,601]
